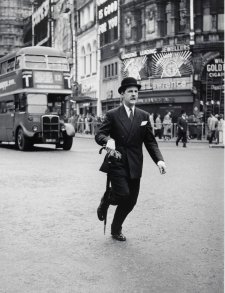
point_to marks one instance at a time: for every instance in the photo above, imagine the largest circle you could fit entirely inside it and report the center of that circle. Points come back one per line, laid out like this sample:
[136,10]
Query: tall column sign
[107,11]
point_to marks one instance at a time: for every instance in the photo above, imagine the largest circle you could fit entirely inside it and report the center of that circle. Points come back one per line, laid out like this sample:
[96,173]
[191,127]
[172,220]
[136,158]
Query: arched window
[89,60]
[88,14]
[83,62]
[94,57]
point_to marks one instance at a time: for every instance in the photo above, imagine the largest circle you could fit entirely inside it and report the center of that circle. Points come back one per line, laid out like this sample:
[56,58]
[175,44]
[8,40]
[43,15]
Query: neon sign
[174,64]
[107,13]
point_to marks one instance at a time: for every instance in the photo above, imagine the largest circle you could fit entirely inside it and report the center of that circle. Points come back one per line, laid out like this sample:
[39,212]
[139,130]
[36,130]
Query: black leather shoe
[103,207]
[119,236]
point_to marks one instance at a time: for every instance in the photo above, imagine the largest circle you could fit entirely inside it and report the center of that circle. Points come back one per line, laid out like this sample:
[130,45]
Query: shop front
[212,84]
[164,102]
[85,105]
[166,79]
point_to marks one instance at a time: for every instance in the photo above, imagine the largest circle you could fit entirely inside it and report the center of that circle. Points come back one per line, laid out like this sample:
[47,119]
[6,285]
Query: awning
[164,97]
[82,99]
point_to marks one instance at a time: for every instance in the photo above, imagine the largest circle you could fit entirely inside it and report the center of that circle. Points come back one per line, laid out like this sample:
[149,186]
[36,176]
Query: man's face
[130,96]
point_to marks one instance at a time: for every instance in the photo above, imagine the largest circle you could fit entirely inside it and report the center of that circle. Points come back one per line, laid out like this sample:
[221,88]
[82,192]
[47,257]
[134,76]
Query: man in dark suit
[182,129]
[125,129]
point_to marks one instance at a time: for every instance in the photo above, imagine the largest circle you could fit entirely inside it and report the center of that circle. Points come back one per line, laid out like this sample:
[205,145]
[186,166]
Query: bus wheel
[22,142]
[68,141]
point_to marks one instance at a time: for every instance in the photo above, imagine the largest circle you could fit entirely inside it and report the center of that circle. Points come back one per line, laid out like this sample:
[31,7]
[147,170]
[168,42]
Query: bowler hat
[127,82]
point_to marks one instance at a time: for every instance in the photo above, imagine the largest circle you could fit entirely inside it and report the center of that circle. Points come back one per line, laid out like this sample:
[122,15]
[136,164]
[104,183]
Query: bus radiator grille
[50,127]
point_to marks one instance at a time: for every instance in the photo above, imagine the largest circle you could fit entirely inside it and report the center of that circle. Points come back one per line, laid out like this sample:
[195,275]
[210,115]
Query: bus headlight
[30,118]
[35,128]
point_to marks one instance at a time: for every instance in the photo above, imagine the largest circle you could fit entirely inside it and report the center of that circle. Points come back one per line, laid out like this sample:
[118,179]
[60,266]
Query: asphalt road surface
[52,242]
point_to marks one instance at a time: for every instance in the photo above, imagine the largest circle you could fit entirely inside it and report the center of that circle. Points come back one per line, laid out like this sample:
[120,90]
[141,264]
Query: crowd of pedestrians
[86,123]
[215,125]
[164,127]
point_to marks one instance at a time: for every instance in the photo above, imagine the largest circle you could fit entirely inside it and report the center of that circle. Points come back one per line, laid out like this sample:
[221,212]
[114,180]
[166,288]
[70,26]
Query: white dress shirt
[128,110]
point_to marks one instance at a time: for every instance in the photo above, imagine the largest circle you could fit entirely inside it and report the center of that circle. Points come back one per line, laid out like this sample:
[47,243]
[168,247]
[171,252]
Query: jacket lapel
[125,121]
[135,123]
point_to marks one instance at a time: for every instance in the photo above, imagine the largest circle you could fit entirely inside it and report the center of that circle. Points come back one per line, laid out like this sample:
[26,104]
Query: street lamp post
[70,11]
[192,33]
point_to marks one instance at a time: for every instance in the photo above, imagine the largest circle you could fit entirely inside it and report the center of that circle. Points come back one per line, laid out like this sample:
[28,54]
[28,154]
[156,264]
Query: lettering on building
[215,69]
[181,83]
[107,15]
[40,13]
[5,84]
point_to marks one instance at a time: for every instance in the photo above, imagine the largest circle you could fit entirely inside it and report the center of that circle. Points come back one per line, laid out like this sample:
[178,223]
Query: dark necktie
[131,117]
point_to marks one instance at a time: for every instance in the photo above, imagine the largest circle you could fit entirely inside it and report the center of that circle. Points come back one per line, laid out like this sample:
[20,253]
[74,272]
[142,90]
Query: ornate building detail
[134,66]
[151,19]
[174,64]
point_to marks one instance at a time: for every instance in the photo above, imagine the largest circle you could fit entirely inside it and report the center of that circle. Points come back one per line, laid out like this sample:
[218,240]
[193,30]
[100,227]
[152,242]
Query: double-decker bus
[35,98]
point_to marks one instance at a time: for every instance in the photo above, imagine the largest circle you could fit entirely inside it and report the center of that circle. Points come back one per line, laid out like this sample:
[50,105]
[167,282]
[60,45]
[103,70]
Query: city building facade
[12,15]
[87,59]
[175,48]
[178,66]
[108,13]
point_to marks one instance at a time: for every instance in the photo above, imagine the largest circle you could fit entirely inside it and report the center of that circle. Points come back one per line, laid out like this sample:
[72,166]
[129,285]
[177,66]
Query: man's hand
[162,167]
[111,149]
[113,153]
[111,144]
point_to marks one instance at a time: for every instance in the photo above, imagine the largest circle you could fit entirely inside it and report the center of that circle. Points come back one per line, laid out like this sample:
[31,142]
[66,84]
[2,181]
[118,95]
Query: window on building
[116,71]
[94,57]
[88,60]
[110,70]
[83,62]
[11,65]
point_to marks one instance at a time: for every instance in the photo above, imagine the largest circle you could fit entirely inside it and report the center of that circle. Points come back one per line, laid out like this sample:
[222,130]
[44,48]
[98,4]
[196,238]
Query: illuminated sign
[216,69]
[167,49]
[107,13]
[157,100]
[148,52]
[182,83]
[174,64]
[40,13]
[176,48]
[133,66]
[46,79]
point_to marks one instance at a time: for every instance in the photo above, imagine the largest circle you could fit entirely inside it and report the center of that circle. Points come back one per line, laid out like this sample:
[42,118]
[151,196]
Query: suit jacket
[182,123]
[129,138]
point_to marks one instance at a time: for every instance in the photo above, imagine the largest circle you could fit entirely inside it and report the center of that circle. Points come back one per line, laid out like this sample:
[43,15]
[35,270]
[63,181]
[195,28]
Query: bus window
[11,64]
[3,108]
[4,67]
[16,102]
[37,103]
[58,63]
[22,103]
[56,104]
[33,61]
[18,62]
[10,106]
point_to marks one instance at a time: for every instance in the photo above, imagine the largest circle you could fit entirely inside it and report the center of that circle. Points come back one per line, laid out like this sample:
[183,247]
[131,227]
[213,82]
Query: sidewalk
[82,135]
[220,145]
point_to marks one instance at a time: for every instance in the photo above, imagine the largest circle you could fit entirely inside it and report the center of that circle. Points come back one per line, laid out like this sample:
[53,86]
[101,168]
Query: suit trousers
[127,189]
[182,135]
